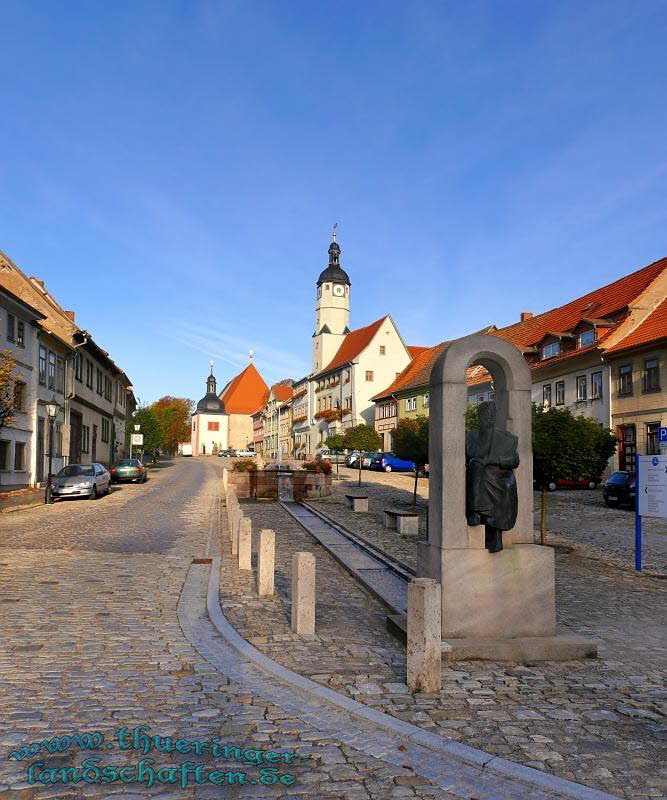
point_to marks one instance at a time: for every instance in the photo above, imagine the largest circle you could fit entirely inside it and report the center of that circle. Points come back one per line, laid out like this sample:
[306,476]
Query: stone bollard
[236,524]
[245,544]
[303,593]
[266,562]
[424,635]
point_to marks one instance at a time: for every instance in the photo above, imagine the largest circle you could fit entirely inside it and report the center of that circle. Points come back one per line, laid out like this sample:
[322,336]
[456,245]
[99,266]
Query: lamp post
[52,409]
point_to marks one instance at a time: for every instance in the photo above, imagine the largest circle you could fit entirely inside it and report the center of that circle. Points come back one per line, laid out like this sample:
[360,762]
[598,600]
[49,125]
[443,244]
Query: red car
[573,483]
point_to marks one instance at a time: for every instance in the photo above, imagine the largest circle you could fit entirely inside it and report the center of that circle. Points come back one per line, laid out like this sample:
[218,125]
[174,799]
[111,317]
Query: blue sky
[172,170]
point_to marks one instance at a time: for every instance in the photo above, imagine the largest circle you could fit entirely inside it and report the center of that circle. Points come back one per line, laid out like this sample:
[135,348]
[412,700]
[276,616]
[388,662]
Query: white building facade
[210,422]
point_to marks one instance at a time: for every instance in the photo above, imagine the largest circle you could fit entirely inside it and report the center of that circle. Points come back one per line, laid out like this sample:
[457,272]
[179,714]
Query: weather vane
[334,230]
[211,363]
[252,353]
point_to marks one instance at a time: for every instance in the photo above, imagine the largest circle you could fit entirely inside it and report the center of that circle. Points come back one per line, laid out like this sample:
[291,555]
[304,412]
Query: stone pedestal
[266,556]
[303,593]
[498,595]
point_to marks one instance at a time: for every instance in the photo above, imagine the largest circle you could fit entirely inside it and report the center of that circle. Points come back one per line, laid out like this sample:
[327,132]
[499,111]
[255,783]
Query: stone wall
[263,484]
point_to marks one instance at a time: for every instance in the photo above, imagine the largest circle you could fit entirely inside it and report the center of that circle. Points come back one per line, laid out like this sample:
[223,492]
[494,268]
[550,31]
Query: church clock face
[338,289]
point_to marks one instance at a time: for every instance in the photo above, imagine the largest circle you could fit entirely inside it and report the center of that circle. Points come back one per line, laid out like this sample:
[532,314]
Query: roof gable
[353,345]
[245,393]
[33,293]
[652,329]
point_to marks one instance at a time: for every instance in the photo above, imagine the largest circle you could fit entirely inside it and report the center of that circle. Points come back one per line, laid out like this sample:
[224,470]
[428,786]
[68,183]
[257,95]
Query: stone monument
[498,587]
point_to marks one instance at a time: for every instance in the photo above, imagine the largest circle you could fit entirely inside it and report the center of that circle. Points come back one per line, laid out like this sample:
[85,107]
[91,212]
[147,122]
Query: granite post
[266,562]
[245,544]
[236,524]
[303,593]
[423,646]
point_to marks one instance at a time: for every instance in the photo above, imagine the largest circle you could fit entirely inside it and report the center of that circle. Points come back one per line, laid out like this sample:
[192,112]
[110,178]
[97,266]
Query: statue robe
[491,488]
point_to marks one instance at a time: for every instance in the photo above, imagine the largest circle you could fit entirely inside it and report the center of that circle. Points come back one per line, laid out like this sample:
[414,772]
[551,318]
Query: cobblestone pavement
[577,518]
[91,642]
[602,722]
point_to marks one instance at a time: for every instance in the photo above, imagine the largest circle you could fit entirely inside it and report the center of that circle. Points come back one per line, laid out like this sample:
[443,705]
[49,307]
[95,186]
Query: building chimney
[526,315]
[70,314]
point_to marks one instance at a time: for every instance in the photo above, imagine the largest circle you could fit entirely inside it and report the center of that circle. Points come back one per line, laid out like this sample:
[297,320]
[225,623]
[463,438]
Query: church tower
[332,309]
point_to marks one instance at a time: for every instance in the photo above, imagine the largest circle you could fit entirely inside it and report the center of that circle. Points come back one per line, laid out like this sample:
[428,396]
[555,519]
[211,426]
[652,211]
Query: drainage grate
[202,560]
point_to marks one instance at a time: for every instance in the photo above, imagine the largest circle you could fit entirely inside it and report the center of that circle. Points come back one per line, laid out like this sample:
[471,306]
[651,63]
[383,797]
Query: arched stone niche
[448,401]
[505,594]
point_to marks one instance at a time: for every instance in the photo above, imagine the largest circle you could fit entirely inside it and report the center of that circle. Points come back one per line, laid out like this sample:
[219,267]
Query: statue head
[486,413]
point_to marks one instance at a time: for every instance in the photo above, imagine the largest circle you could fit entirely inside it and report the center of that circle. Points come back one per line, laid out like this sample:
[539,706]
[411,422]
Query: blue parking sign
[662,435]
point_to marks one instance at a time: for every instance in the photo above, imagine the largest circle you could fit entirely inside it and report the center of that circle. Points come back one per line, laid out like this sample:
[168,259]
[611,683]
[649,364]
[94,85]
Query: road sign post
[651,496]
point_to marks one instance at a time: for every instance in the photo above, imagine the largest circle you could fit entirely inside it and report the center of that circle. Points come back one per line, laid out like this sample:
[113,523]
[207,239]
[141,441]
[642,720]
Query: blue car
[388,462]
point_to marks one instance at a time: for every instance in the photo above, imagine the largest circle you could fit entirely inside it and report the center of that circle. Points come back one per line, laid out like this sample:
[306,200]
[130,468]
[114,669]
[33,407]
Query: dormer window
[550,350]
[586,338]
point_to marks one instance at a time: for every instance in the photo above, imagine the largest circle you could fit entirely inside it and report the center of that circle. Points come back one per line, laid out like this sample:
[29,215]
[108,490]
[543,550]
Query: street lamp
[52,409]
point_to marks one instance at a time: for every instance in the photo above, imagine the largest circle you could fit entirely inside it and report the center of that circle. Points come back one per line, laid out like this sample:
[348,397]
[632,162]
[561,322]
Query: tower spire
[334,231]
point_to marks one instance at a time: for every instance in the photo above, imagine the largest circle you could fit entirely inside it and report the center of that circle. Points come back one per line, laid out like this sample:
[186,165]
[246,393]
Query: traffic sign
[652,488]
[137,438]
[662,436]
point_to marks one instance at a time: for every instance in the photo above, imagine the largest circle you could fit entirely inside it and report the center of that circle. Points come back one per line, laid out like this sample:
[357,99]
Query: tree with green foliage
[150,427]
[410,439]
[472,417]
[567,446]
[363,438]
[335,443]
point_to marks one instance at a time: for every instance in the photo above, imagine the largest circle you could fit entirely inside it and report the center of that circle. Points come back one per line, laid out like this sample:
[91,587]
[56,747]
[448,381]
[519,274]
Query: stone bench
[405,522]
[356,502]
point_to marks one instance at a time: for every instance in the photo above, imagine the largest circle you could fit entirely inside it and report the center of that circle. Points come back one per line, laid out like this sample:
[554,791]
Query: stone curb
[433,741]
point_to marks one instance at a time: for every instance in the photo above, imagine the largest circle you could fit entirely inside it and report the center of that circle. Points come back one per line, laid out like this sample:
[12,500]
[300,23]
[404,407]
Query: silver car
[81,480]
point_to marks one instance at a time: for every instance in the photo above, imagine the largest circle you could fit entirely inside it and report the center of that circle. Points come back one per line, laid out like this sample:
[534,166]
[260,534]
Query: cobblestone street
[91,642]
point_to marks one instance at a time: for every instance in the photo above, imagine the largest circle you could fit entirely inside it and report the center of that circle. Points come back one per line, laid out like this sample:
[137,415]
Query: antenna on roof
[334,231]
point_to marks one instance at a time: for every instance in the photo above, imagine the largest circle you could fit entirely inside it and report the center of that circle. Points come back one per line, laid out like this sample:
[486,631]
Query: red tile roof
[282,392]
[245,393]
[353,344]
[476,375]
[652,329]
[597,304]
[417,373]
[415,350]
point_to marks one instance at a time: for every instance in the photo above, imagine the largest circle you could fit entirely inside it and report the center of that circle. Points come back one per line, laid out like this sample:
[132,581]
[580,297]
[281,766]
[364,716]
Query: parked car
[226,453]
[388,462]
[351,459]
[186,449]
[244,453]
[619,489]
[573,483]
[367,460]
[81,480]
[128,469]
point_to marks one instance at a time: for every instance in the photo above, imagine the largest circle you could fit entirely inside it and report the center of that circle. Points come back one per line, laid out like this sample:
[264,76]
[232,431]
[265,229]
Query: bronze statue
[491,496]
